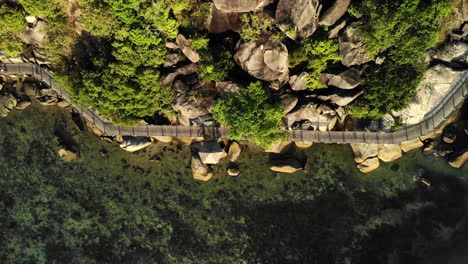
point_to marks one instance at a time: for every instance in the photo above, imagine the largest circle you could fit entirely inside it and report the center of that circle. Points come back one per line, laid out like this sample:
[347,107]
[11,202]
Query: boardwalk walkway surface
[433,119]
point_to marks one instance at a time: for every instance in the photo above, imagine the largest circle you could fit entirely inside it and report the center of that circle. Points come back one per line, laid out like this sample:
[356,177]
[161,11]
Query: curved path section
[433,119]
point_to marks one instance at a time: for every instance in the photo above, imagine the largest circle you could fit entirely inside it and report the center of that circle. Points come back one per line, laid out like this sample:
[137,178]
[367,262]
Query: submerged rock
[200,171]
[286,165]
[459,159]
[389,152]
[132,144]
[369,165]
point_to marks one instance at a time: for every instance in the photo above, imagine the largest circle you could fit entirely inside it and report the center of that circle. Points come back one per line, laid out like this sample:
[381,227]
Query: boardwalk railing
[432,120]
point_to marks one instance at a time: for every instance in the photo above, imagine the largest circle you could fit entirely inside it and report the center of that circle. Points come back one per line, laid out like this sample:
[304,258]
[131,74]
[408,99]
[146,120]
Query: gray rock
[364,151]
[352,47]
[369,165]
[298,18]
[435,85]
[289,101]
[8,101]
[340,97]
[23,105]
[387,122]
[132,144]
[299,82]
[241,5]
[264,59]
[31,90]
[286,165]
[335,31]
[186,48]
[234,152]
[187,69]
[456,51]
[209,151]
[222,21]
[349,79]
[191,106]
[171,60]
[35,36]
[200,171]
[321,117]
[335,12]
[226,89]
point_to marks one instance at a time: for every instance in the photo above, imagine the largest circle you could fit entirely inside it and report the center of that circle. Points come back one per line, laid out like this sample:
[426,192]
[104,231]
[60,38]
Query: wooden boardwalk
[433,119]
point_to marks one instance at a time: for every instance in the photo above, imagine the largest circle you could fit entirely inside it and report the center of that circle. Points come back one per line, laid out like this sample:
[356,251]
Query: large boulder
[320,116]
[435,85]
[299,82]
[186,48]
[241,5]
[335,12]
[410,145]
[459,159]
[389,152]
[349,79]
[298,18]
[67,155]
[264,59]
[7,102]
[352,47]
[286,165]
[387,122]
[201,171]
[340,97]
[364,151]
[369,165]
[132,144]
[36,35]
[222,21]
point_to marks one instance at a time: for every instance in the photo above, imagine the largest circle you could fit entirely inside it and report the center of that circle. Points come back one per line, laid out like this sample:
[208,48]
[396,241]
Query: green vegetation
[317,55]
[251,113]
[259,26]
[387,88]
[117,207]
[215,63]
[12,21]
[404,29]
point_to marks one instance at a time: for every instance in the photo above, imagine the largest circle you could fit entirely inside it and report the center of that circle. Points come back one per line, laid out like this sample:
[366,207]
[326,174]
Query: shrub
[387,88]
[215,64]
[47,9]
[251,113]
[12,18]
[405,29]
[259,26]
[316,54]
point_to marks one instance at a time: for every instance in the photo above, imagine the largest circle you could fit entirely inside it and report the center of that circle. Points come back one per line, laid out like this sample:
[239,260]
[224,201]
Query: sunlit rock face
[241,5]
[435,85]
[298,18]
[265,60]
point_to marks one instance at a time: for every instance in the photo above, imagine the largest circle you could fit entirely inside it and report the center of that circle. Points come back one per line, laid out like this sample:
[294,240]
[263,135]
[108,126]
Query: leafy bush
[251,113]
[387,88]
[12,18]
[41,8]
[259,26]
[215,63]
[317,54]
[405,29]
[199,42]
